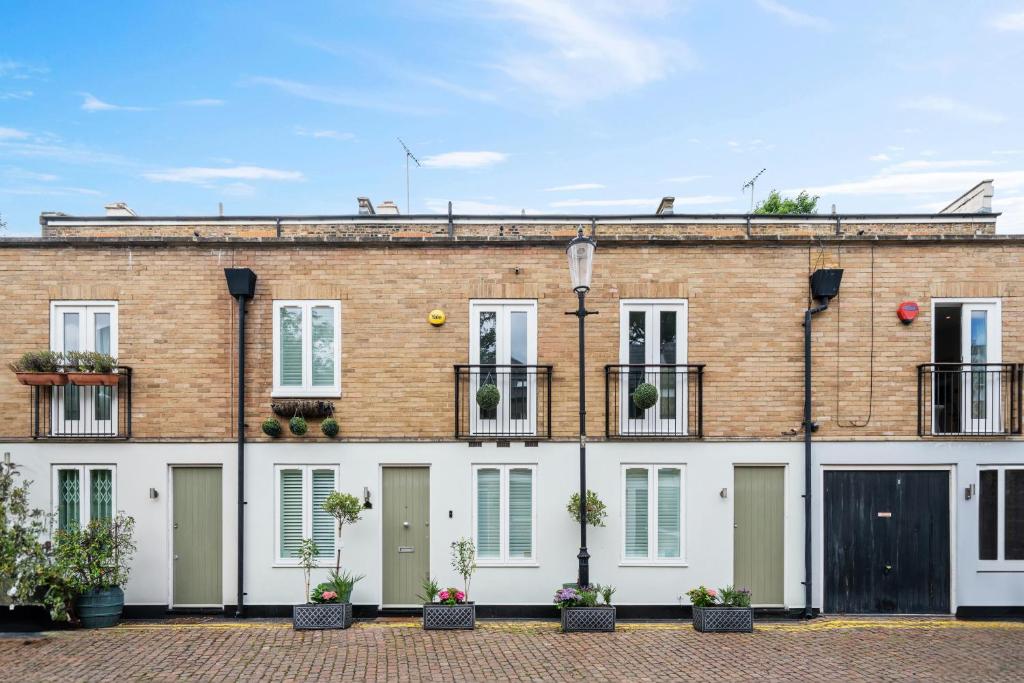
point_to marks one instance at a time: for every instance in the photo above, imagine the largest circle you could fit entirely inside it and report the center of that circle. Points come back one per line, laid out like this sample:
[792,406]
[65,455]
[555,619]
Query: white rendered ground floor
[676,518]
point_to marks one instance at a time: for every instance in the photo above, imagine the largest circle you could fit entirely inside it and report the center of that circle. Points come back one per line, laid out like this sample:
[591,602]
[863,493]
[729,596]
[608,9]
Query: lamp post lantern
[581,264]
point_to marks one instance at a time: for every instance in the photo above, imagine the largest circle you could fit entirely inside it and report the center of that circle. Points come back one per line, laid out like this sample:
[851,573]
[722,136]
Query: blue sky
[546,106]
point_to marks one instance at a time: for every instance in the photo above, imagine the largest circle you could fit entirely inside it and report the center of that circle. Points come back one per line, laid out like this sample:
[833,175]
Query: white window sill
[281,564]
[652,563]
[325,392]
[1000,566]
[506,565]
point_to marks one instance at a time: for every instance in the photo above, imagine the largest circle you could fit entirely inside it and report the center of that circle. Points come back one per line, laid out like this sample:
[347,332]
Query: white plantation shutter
[291,513]
[323,523]
[291,346]
[488,513]
[636,513]
[668,512]
[323,346]
[520,514]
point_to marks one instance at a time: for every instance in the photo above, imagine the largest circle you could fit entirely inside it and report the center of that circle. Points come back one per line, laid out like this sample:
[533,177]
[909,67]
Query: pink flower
[329,595]
[460,596]
[712,592]
[443,595]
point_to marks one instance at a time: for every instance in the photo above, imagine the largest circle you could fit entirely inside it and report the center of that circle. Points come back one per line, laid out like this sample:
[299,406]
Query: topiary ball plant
[488,397]
[298,425]
[330,427]
[645,396]
[272,427]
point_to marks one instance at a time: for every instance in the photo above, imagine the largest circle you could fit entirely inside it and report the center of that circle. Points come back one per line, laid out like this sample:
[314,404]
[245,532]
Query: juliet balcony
[654,401]
[503,402]
[86,407]
[964,400]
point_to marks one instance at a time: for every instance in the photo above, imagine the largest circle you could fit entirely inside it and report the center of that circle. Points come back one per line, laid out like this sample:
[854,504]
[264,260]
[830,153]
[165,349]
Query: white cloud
[686,178]
[91,103]
[12,134]
[337,96]
[587,51]
[928,164]
[756,145]
[20,70]
[1007,152]
[472,206]
[881,156]
[24,174]
[1012,209]
[464,159]
[16,95]
[955,108]
[929,182]
[577,186]
[794,17]
[49,190]
[651,203]
[1012,21]
[329,134]
[203,102]
[203,175]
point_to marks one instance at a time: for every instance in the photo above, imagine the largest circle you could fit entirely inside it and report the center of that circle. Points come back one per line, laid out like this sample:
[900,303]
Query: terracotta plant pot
[93,379]
[42,379]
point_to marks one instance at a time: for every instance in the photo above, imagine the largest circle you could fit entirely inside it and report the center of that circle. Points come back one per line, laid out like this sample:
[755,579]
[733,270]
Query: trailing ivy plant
[596,509]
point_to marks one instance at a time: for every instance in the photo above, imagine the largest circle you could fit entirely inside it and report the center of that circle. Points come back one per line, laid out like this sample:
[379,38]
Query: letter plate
[406,549]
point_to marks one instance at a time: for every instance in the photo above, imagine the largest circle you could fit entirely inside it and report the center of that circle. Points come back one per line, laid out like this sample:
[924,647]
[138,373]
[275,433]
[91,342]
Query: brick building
[917,481]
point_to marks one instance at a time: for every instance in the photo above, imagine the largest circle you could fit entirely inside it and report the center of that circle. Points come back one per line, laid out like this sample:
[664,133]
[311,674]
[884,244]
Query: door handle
[405,524]
[175,557]
[888,568]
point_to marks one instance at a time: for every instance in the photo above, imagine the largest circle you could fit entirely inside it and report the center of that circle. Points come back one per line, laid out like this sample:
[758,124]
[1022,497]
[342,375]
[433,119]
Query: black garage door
[886,542]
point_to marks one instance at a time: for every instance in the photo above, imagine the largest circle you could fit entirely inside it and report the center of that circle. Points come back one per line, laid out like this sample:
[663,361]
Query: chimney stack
[365,206]
[665,207]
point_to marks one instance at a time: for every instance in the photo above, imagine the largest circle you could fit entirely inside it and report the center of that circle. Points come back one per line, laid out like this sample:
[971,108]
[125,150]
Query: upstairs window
[307,348]
[82,494]
[84,326]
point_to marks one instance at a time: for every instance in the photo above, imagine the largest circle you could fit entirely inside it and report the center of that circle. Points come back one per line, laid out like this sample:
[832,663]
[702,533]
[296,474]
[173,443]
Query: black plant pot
[438,617]
[723,619]
[326,615]
[581,619]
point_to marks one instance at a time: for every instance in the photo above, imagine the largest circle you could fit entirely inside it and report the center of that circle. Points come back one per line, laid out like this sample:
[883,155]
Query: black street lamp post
[581,262]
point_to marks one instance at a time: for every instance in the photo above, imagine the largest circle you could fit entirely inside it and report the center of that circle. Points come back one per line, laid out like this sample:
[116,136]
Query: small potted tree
[334,596]
[40,368]
[310,615]
[450,608]
[582,612]
[726,610]
[94,562]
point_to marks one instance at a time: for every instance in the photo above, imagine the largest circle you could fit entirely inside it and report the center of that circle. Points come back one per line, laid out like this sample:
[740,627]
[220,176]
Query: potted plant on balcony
[91,369]
[488,397]
[645,396]
[450,608]
[581,611]
[724,611]
[39,369]
[94,562]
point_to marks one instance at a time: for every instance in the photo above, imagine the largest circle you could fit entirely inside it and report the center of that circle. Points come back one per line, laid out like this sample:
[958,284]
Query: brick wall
[746,302]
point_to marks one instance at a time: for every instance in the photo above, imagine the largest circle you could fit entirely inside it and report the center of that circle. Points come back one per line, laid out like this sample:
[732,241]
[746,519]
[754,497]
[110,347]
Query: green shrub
[271,427]
[596,511]
[645,396]
[298,425]
[488,397]
[330,427]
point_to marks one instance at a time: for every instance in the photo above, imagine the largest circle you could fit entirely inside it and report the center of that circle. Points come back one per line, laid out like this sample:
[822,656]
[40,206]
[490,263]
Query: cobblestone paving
[825,649]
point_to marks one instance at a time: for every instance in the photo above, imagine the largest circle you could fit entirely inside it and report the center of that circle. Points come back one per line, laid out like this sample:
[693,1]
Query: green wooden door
[196,536]
[406,501]
[758,509]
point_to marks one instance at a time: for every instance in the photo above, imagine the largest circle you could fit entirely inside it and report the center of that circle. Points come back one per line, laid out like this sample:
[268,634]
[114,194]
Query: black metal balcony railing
[968,399]
[524,406]
[72,411]
[678,413]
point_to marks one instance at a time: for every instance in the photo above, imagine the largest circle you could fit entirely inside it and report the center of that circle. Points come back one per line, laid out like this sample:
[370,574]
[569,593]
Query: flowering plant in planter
[451,596]
[725,610]
[450,608]
[40,368]
[581,611]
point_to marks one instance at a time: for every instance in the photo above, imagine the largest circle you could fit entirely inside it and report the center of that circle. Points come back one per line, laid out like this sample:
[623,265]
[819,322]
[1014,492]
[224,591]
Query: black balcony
[968,399]
[78,411]
[523,411]
[677,414]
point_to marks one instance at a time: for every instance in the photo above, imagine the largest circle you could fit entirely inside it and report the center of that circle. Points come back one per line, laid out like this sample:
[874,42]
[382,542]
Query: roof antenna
[408,155]
[750,184]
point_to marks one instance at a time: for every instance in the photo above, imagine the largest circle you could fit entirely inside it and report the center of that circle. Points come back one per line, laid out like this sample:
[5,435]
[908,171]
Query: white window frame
[307,390]
[998,563]
[503,308]
[652,558]
[86,422]
[503,532]
[307,509]
[84,491]
[651,423]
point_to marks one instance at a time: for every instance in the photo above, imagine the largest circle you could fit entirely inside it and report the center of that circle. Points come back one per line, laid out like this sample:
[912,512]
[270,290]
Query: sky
[542,106]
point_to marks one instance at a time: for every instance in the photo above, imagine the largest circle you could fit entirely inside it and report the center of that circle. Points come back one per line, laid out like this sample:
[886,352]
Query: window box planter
[100,607]
[325,615]
[723,619]
[42,379]
[93,379]
[583,619]
[437,617]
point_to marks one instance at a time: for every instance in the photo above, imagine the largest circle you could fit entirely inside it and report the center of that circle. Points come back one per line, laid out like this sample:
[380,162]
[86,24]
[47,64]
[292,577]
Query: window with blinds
[652,513]
[301,492]
[83,493]
[307,341]
[505,514]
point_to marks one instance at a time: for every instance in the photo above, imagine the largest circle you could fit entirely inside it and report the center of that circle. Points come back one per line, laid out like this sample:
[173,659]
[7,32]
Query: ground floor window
[301,492]
[652,513]
[83,493]
[1001,513]
[504,504]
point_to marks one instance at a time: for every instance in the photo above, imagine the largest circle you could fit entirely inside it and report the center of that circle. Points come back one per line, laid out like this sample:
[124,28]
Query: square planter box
[723,619]
[321,616]
[447,617]
[597,618]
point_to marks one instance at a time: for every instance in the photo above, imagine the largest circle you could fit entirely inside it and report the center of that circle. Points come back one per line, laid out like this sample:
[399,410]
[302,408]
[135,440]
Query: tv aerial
[750,184]
[408,155]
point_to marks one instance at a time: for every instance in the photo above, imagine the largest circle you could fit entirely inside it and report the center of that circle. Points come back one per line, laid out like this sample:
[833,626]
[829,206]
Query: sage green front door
[758,510]
[406,519]
[196,536]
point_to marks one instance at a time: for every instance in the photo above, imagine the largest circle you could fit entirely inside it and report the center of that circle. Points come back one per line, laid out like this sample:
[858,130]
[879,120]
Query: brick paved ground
[826,649]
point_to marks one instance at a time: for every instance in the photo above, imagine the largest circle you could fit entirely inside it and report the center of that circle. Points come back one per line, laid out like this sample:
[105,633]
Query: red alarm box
[907,311]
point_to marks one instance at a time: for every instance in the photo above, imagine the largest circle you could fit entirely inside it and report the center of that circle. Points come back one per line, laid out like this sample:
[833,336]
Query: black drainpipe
[242,286]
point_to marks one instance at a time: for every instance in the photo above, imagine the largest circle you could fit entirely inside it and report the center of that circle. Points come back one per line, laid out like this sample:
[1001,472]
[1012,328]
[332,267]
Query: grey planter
[723,619]
[322,616]
[596,618]
[449,617]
